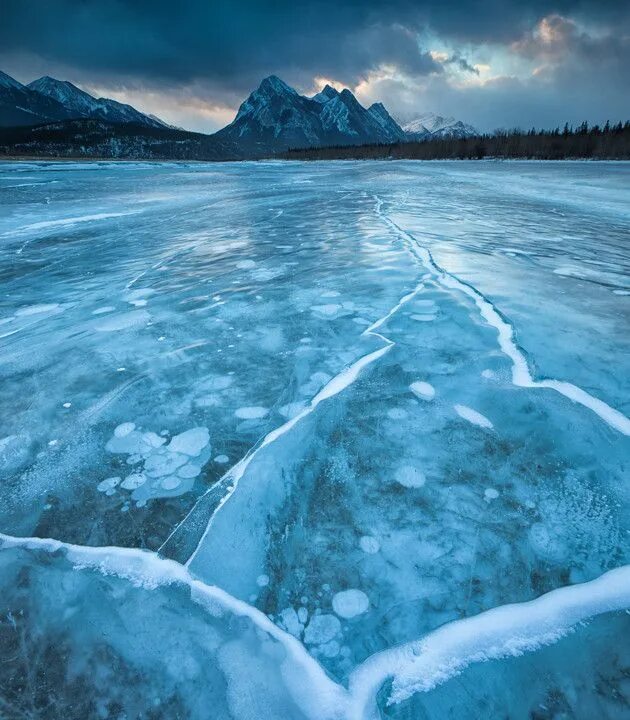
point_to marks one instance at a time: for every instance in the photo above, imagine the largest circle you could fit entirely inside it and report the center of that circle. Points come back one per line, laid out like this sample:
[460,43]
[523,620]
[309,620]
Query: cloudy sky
[492,63]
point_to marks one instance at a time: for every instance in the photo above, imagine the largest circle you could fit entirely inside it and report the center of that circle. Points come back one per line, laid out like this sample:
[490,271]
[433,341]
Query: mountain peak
[61,90]
[434,125]
[81,104]
[8,81]
[275,117]
[348,97]
[325,94]
[393,130]
[273,84]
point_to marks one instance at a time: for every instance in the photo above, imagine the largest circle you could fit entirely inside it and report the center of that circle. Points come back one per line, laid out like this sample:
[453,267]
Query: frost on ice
[317,444]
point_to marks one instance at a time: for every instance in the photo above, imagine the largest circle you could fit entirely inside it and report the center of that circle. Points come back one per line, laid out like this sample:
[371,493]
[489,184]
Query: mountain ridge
[86,105]
[431,125]
[273,119]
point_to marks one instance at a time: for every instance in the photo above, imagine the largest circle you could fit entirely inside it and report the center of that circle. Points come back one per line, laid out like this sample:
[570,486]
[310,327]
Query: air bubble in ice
[350,603]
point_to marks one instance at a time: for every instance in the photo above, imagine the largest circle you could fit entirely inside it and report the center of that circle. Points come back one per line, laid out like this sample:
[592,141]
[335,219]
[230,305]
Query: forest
[607,142]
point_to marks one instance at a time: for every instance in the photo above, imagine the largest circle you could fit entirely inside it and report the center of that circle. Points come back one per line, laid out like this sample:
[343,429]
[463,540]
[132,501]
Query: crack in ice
[521,374]
[229,481]
[419,666]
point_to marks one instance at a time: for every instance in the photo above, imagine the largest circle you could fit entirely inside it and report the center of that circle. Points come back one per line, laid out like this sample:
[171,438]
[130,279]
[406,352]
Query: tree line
[606,142]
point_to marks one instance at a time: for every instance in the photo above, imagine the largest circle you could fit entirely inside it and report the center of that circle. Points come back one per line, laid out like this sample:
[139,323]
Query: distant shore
[160,161]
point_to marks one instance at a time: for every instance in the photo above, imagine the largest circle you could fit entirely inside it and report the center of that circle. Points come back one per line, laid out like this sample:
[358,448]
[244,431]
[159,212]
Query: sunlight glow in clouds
[178,108]
[519,62]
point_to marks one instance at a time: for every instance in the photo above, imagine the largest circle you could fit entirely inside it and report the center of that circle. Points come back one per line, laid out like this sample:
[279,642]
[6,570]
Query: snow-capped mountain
[83,105]
[19,105]
[430,125]
[6,81]
[342,114]
[275,117]
[387,122]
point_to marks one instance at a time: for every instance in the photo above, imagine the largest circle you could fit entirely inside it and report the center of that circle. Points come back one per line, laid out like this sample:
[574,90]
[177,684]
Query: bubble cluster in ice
[161,469]
[321,629]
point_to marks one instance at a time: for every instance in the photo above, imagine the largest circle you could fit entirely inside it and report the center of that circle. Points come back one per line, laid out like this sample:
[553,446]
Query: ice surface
[377,404]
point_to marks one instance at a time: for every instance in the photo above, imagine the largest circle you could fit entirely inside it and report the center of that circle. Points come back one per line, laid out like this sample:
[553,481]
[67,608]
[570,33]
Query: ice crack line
[521,374]
[228,483]
[339,383]
[413,667]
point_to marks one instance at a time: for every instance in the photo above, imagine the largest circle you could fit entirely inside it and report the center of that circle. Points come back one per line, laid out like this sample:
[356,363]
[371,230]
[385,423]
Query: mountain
[343,116]
[275,118]
[20,105]
[51,117]
[429,125]
[83,105]
[387,122]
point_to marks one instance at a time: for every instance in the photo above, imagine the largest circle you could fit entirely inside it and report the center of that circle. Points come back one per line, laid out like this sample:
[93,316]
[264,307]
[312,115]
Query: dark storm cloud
[232,45]
[216,52]
[224,43]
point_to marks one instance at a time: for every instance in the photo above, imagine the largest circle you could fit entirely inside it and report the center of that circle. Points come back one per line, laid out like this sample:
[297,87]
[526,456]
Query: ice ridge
[521,374]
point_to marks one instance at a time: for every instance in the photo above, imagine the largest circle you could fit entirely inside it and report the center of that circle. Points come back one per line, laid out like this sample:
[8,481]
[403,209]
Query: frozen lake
[269,426]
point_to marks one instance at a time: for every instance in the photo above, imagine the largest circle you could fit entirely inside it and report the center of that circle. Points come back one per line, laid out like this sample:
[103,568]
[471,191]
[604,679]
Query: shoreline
[487,159]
